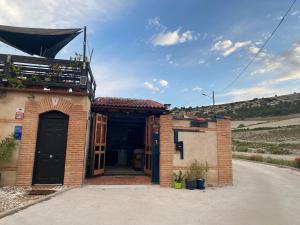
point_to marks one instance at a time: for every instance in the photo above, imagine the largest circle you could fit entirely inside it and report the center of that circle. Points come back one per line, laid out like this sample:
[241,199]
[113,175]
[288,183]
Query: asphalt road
[261,195]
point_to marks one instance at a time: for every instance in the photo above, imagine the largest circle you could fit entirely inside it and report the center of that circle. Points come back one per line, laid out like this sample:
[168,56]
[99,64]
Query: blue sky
[172,51]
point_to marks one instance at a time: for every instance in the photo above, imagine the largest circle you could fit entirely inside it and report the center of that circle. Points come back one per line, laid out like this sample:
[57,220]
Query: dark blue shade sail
[38,41]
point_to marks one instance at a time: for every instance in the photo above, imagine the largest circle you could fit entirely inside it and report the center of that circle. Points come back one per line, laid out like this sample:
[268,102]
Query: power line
[261,49]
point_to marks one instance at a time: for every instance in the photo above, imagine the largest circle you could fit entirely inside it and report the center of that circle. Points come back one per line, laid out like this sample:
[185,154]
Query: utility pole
[211,97]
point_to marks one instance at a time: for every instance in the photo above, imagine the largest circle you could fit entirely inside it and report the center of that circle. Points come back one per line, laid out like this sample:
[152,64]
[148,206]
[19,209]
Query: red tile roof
[128,103]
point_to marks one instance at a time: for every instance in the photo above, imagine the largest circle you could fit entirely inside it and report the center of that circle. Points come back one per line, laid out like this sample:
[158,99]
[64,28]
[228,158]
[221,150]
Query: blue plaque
[18,132]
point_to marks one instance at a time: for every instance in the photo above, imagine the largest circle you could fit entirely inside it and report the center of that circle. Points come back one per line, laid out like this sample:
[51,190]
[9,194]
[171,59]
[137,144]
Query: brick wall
[224,152]
[166,151]
[74,163]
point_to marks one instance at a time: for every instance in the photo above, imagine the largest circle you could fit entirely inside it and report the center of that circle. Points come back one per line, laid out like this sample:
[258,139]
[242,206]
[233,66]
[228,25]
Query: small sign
[19,113]
[18,132]
[55,101]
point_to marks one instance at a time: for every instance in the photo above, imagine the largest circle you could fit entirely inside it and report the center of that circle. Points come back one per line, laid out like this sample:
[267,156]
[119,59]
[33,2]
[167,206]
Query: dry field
[274,135]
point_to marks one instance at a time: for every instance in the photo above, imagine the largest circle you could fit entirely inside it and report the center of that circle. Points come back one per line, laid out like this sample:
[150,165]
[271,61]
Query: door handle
[50,156]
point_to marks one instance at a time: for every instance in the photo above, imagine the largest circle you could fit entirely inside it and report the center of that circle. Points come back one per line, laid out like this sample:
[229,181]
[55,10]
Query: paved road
[261,195]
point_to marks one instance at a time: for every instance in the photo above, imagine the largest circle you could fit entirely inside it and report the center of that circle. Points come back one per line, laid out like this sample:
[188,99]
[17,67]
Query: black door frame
[45,114]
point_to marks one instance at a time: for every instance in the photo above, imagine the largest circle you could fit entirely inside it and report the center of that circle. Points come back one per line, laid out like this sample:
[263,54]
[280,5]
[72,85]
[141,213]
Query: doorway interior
[125,144]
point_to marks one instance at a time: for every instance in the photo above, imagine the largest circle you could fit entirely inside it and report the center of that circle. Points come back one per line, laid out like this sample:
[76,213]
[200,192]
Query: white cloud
[222,45]
[295,13]
[268,67]
[59,13]
[201,61]
[235,47]
[227,47]
[218,58]
[163,83]
[151,87]
[286,62]
[167,38]
[168,58]
[253,50]
[155,22]
[291,76]
[156,85]
[255,92]
[115,78]
[197,89]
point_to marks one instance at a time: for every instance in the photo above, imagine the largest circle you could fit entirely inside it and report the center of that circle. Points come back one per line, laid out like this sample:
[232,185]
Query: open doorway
[125,144]
[124,140]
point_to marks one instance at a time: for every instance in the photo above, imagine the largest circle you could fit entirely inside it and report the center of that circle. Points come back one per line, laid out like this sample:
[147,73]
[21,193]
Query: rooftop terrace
[26,72]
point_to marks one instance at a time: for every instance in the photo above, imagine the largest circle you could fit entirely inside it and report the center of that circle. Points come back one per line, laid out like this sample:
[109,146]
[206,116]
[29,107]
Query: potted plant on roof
[178,178]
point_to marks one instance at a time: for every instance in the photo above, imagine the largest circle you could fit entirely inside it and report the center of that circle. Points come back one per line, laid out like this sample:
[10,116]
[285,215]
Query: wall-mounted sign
[55,101]
[19,113]
[18,132]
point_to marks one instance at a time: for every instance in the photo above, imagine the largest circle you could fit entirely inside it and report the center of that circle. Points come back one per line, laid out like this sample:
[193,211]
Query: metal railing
[34,72]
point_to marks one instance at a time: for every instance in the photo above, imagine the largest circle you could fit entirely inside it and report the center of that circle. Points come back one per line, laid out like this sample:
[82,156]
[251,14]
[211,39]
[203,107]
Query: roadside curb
[17,209]
[270,164]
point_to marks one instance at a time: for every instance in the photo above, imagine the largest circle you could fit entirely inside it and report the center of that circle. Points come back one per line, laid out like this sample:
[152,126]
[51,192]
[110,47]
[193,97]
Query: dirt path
[261,194]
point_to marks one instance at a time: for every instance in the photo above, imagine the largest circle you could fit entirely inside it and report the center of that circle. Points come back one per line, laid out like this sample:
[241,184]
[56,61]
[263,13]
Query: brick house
[68,137]
[104,137]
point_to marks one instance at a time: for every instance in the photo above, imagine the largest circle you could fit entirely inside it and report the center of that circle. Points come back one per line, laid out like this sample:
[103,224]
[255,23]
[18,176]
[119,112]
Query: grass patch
[258,158]
[278,149]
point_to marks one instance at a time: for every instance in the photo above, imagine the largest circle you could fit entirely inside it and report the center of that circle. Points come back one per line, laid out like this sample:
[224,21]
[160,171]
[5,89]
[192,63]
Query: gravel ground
[11,197]
[261,194]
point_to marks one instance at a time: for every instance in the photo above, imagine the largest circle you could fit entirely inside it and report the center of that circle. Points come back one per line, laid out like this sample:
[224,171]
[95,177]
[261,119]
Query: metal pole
[213,98]
[84,46]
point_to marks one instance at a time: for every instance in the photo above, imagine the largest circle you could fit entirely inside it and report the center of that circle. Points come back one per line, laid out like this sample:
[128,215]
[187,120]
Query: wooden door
[99,144]
[51,148]
[148,145]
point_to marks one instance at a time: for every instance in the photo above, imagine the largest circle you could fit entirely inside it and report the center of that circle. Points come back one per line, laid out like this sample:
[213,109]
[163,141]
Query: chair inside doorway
[125,144]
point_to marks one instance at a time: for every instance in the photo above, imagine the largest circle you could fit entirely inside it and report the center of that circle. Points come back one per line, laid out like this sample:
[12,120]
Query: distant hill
[257,107]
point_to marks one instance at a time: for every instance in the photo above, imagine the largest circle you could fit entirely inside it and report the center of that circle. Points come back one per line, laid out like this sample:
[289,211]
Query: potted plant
[195,175]
[201,176]
[7,146]
[191,179]
[178,178]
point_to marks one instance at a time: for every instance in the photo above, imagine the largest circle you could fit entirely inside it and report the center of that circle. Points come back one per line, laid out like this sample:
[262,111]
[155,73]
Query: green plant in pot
[196,171]
[7,146]
[178,178]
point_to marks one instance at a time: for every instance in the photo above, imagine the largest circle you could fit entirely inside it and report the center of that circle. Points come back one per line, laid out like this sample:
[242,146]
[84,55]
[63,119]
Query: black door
[51,148]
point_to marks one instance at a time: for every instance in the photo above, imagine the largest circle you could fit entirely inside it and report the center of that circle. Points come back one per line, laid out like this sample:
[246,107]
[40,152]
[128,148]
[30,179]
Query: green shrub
[241,125]
[7,146]
[197,170]
[241,149]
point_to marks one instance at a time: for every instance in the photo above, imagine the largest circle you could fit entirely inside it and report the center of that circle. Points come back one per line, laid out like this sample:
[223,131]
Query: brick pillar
[28,142]
[166,151]
[224,152]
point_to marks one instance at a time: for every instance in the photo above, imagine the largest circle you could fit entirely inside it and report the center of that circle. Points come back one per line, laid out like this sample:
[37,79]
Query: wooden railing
[26,72]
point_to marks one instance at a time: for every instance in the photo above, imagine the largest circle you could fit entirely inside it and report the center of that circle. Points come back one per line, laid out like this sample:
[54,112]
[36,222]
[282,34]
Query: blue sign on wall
[18,132]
